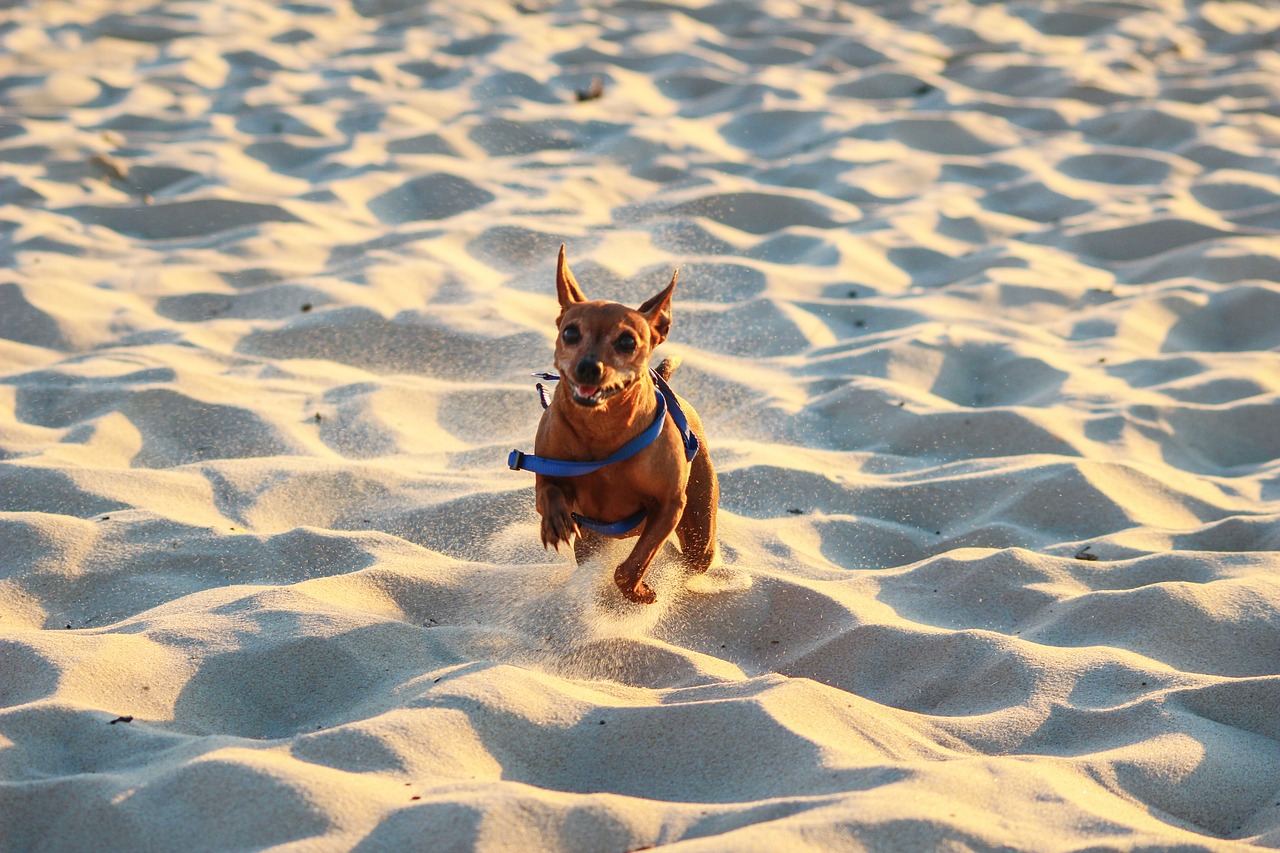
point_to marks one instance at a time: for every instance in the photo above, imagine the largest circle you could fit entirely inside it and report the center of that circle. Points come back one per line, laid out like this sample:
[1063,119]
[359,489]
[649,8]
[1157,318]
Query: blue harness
[667,405]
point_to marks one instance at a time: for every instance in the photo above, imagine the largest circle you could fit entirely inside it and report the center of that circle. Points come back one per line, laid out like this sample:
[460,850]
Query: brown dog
[608,400]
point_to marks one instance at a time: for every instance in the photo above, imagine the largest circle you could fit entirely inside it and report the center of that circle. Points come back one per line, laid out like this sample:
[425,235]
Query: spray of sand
[577,624]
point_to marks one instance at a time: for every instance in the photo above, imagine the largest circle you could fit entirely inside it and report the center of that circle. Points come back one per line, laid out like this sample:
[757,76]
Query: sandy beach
[978,303]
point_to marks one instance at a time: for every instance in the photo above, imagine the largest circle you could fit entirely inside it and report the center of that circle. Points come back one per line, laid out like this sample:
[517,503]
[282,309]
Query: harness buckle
[515,461]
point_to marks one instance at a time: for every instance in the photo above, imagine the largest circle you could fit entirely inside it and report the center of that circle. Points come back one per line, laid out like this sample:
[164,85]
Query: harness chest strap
[617,528]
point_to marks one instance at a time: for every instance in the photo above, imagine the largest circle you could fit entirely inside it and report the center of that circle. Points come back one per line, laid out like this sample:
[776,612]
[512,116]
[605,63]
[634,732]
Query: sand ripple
[978,302]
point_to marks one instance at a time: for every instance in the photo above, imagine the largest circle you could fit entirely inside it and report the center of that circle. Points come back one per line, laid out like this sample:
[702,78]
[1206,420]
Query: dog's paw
[557,528]
[633,588]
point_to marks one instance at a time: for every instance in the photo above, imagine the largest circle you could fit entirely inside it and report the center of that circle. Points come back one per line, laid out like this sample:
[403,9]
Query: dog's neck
[599,430]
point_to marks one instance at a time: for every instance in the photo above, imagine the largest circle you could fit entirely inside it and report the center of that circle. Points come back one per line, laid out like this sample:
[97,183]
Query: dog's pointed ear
[566,285]
[658,311]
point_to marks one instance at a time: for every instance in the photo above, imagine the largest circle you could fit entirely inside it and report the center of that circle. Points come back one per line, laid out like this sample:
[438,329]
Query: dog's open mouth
[594,395]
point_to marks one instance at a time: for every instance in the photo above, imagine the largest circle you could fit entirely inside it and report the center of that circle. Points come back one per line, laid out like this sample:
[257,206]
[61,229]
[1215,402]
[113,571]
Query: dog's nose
[589,370]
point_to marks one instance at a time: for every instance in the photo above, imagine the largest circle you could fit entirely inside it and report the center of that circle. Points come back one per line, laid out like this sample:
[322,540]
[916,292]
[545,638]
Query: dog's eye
[626,342]
[571,335]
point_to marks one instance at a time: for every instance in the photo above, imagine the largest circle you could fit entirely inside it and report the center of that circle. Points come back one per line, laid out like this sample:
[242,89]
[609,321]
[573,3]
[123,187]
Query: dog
[617,453]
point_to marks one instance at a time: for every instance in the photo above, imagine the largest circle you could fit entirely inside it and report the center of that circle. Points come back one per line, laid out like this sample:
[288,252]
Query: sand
[978,302]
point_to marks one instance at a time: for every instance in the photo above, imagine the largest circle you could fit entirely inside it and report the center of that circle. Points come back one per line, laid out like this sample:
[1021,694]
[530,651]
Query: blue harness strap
[518,461]
[677,416]
[667,405]
[617,528]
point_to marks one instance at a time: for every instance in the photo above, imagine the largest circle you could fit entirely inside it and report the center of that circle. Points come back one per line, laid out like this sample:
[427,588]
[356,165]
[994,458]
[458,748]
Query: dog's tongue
[588,390]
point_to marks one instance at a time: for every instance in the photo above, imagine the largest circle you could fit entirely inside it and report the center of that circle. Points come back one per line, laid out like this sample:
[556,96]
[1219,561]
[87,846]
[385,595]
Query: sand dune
[979,305]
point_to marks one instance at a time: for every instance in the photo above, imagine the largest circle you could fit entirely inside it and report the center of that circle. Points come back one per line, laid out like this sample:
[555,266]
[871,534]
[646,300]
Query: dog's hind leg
[697,528]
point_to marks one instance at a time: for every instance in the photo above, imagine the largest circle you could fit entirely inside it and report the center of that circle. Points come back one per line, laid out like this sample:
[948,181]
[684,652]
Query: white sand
[970,293]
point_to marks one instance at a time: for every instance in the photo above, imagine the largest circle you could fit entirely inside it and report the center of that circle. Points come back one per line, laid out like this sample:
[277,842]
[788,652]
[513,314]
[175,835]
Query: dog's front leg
[629,576]
[557,520]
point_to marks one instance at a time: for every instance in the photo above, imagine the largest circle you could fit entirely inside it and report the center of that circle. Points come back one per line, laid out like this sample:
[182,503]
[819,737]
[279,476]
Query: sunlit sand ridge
[978,304]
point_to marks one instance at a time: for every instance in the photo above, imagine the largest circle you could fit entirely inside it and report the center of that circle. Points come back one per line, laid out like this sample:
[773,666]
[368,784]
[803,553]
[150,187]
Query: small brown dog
[618,453]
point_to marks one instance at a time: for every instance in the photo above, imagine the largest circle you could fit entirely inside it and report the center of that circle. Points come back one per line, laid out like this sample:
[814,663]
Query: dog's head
[602,348]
